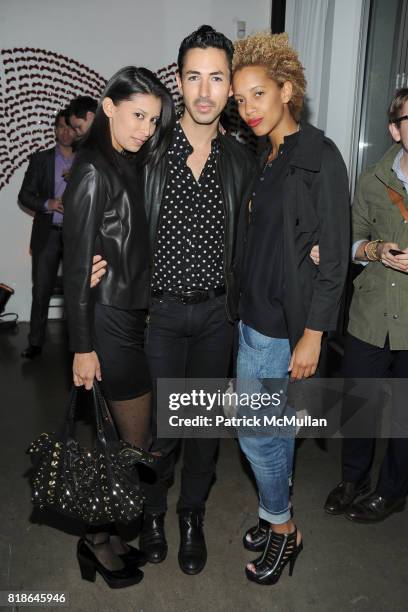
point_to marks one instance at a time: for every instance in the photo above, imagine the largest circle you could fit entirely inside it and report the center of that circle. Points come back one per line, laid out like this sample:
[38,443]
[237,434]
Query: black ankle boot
[258,536]
[152,541]
[115,579]
[344,494]
[193,551]
[280,549]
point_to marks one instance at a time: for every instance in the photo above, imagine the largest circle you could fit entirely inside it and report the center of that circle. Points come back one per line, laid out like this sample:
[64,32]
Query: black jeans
[363,360]
[186,341]
[45,262]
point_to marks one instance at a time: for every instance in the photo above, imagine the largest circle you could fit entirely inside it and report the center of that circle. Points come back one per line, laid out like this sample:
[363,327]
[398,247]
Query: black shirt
[261,303]
[130,171]
[189,251]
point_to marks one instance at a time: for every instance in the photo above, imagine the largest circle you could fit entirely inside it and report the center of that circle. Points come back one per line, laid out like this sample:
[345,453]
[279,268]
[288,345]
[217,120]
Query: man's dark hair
[398,101]
[82,105]
[122,86]
[62,113]
[203,38]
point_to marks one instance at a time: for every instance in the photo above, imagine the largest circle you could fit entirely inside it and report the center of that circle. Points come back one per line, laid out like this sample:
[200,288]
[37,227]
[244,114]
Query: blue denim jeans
[271,457]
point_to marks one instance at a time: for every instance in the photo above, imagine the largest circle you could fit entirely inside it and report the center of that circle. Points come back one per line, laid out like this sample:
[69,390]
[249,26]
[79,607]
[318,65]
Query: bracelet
[371,250]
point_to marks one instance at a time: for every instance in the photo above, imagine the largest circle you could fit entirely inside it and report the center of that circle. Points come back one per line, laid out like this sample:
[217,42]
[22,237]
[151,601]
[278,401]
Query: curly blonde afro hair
[280,60]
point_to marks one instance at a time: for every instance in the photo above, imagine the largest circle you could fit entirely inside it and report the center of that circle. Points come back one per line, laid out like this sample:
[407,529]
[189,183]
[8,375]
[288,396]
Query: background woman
[286,303]
[105,214]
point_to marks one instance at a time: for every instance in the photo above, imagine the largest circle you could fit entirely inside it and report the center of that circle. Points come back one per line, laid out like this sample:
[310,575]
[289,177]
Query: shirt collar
[181,148]
[396,166]
[59,155]
[290,140]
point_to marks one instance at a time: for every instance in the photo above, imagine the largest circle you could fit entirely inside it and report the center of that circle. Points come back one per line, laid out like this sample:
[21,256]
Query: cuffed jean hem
[275,518]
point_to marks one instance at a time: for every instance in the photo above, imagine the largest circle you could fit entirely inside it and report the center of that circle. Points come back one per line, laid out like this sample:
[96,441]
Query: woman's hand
[306,354]
[86,368]
[397,262]
[315,254]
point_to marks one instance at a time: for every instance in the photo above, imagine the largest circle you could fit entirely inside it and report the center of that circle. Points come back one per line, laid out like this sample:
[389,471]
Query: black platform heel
[115,579]
[280,549]
[134,557]
[258,534]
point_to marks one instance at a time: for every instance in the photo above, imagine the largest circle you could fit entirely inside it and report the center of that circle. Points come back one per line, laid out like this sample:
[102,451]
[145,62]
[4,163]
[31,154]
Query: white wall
[334,75]
[343,74]
[103,35]
[306,25]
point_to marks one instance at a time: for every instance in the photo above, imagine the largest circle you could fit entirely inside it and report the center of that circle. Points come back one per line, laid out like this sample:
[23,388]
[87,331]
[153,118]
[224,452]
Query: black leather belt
[57,228]
[192,296]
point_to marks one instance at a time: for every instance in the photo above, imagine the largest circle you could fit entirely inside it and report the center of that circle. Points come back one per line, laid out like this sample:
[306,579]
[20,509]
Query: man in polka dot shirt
[193,199]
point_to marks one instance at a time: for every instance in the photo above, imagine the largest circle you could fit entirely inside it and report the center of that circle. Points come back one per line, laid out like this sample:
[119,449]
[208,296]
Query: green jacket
[380,301]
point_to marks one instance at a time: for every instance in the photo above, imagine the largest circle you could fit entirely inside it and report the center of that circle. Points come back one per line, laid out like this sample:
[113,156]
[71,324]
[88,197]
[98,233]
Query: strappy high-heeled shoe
[89,564]
[280,549]
[258,536]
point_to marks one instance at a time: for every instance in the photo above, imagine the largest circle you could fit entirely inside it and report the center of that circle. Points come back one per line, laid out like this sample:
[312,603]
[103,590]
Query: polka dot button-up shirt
[189,249]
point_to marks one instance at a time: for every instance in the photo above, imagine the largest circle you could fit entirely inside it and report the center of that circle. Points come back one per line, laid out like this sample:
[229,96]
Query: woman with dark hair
[105,214]
[286,304]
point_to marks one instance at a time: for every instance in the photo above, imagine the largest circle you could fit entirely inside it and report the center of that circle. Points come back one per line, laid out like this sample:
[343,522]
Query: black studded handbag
[98,485]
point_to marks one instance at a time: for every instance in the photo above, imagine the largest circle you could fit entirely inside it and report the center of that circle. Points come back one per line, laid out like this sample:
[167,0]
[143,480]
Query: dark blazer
[236,168]
[316,211]
[38,187]
[101,218]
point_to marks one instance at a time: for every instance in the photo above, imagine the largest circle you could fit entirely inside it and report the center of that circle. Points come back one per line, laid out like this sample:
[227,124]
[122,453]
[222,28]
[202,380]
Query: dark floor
[344,566]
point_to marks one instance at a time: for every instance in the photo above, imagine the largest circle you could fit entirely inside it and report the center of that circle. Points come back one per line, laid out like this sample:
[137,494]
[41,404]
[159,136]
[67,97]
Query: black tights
[132,420]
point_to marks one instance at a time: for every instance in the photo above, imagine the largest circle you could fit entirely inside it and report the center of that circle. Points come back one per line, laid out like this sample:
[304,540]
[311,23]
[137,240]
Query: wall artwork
[36,83]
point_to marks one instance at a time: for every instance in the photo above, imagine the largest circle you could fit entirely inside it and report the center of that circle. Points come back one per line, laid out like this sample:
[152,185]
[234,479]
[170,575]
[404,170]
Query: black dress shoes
[374,508]
[152,541]
[31,351]
[342,496]
[193,551]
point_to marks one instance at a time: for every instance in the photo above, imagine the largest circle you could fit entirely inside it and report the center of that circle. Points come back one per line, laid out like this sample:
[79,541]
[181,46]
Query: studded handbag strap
[70,417]
[398,200]
[105,428]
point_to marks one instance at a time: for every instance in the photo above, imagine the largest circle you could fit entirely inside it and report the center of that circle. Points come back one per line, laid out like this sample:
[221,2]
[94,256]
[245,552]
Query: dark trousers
[363,360]
[186,341]
[45,262]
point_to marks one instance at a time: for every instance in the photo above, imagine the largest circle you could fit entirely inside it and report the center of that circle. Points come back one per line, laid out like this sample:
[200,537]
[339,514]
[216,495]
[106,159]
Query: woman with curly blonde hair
[286,303]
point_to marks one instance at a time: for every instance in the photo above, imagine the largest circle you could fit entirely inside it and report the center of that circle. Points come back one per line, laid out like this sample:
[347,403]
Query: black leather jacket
[98,219]
[236,168]
[102,217]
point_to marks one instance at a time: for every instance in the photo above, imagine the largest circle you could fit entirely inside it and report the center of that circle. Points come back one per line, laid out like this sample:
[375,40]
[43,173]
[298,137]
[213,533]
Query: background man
[377,341]
[43,185]
[81,113]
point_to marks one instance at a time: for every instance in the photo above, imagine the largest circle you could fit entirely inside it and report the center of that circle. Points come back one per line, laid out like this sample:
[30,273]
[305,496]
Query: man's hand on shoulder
[98,269]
